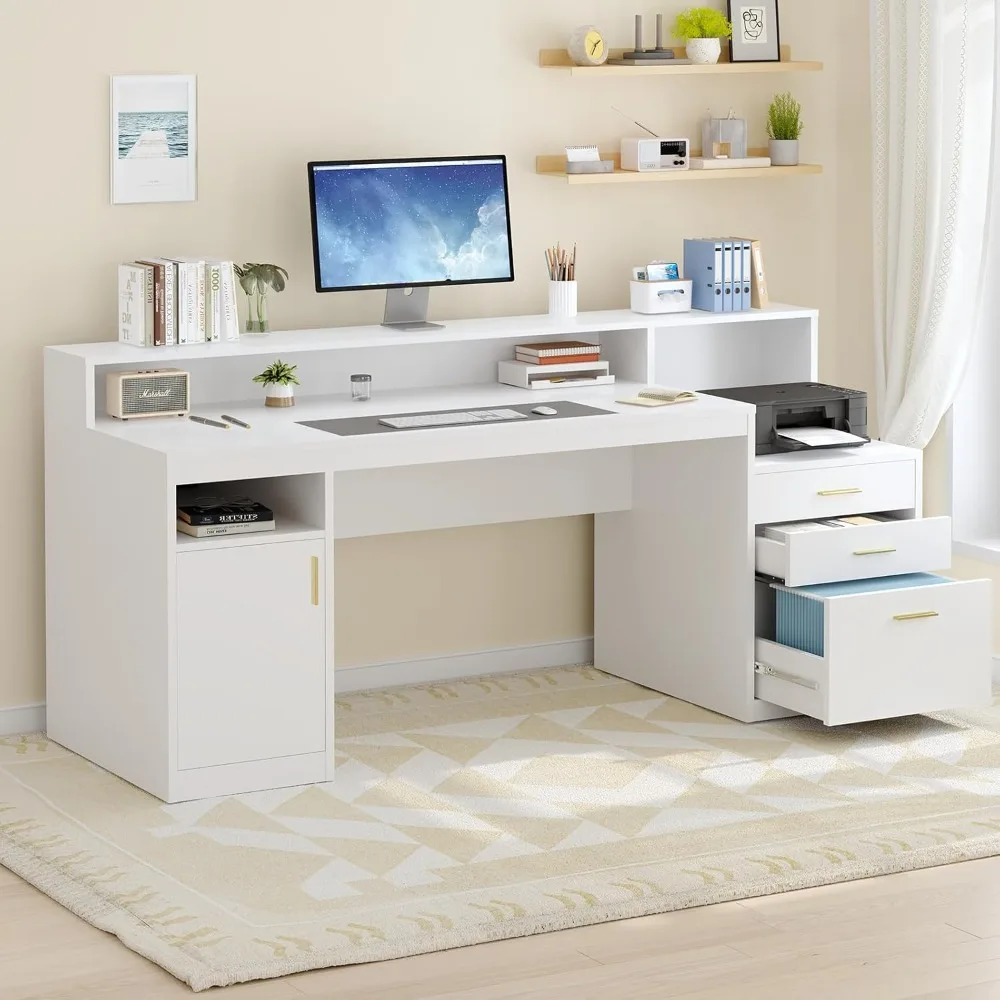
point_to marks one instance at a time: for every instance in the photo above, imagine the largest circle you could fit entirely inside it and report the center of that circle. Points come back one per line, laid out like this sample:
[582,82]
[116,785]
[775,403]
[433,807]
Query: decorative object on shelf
[278,380]
[153,139]
[647,57]
[660,296]
[157,392]
[587,160]
[701,29]
[255,280]
[755,35]
[724,138]
[656,153]
[561,266]
[784,126]
[361,388]
[587,46]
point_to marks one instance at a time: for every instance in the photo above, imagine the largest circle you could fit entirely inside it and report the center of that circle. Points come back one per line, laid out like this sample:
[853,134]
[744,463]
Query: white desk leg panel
[673,578]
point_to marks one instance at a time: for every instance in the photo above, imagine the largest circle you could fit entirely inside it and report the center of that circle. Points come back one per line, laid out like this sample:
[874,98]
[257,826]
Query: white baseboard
[23,719]
[429,669]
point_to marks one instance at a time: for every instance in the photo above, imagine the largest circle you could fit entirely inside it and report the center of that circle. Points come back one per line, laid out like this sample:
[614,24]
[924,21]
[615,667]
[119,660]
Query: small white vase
[279,395]
[783,152]
[704,50]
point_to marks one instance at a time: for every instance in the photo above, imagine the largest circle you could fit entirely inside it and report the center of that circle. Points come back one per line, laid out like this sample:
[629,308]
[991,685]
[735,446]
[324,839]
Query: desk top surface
[280,431]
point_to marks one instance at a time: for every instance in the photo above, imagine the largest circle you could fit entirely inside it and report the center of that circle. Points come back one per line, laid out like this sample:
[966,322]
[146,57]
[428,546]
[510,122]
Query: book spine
[210,530]
[159,302]
[170,303]
[556,361]
[231,322]
[203,519]
[211,298]
[149,301]
[201,334]
[131,313]
[189,303]
[556,353]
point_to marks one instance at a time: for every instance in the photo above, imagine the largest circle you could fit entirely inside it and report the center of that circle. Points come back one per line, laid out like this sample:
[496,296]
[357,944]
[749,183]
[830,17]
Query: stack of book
[164,301]
[555,364]
[204,514]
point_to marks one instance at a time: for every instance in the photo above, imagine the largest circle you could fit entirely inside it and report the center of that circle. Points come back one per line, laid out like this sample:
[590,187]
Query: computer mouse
[544,411]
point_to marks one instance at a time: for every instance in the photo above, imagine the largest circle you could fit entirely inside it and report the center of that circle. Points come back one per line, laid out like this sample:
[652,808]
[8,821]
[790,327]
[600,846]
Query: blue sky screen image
[401,224]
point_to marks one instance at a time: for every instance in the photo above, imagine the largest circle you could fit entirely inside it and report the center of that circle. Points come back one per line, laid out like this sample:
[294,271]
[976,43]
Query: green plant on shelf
[784,118]
[702,22]
[277,373]
[255,280]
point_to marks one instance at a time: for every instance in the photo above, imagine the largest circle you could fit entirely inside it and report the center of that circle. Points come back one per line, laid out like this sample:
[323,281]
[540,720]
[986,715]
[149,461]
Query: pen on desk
[235,420]
[205,420]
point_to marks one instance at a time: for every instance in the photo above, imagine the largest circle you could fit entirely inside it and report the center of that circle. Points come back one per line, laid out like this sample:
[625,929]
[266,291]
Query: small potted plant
[784,126]
[255,280]
[278,380]
[701,28]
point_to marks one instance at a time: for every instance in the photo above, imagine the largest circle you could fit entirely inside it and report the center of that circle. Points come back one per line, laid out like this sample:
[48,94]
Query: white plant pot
[704,50]
[783,152]
[279,395]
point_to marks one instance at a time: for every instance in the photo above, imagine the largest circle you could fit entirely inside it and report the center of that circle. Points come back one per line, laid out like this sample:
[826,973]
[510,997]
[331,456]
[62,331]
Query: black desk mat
[369,423]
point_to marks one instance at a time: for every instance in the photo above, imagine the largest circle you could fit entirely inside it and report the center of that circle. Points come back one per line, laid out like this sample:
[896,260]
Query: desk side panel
[108,587]
[673,577]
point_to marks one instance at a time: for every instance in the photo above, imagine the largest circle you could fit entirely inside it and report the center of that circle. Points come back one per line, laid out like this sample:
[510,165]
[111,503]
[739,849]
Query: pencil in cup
[560,263]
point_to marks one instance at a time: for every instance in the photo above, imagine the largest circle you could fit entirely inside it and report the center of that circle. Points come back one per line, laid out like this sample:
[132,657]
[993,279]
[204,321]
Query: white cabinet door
[251,653]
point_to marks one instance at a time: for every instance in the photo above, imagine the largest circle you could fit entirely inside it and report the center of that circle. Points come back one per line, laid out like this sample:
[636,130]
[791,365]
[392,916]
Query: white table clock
[587,46]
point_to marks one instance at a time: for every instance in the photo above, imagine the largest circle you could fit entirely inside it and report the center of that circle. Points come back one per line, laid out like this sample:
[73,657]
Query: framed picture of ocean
[153,139]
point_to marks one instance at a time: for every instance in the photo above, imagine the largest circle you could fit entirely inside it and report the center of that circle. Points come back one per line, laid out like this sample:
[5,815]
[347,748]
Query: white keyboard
[443,419]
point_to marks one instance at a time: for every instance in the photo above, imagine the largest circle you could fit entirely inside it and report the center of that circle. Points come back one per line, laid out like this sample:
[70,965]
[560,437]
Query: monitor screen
[404,223]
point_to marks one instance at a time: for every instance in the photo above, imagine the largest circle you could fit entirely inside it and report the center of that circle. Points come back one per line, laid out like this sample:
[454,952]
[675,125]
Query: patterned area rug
[495,808]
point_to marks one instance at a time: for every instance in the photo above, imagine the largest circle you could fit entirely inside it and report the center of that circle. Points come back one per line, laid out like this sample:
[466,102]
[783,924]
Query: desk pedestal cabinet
[196,667]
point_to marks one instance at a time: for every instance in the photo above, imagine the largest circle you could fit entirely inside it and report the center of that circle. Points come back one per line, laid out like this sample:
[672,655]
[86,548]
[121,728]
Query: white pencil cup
[562,298]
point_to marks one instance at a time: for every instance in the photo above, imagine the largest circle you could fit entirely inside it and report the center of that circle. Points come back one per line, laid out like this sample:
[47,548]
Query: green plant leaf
[702,22]
[784,117]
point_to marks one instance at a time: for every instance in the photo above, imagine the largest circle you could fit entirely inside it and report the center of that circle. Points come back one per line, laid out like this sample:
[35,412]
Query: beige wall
[280,84]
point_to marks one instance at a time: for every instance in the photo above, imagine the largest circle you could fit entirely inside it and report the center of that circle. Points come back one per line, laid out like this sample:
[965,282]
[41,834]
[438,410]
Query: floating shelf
[555,166]
[559,59]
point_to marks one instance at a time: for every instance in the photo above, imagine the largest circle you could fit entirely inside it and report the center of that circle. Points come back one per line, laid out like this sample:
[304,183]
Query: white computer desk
[195,667]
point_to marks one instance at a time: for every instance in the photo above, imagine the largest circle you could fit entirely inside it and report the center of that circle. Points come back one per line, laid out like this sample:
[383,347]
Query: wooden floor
[932,934]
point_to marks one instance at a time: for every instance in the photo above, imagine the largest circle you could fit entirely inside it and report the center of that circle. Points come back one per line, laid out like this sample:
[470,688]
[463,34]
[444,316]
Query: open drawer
[858,552]
[885,653]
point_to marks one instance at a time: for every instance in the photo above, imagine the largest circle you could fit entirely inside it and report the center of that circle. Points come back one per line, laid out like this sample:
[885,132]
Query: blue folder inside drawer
[799,611]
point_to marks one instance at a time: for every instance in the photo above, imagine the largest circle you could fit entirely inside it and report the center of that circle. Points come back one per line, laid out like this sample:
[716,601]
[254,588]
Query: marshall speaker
[156,392]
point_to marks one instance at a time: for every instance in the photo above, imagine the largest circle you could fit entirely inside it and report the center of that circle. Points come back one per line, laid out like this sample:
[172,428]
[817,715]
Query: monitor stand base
[406,309]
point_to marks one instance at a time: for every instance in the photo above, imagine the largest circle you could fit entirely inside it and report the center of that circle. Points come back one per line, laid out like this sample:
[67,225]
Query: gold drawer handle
[874,552]
[315,581]
[838,493]
[914,615]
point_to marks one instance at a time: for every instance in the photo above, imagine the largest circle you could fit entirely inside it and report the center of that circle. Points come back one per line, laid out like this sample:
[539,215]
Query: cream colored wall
[280,84]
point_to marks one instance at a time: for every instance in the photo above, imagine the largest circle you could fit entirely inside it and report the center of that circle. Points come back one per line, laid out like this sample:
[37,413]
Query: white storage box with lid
[650,297]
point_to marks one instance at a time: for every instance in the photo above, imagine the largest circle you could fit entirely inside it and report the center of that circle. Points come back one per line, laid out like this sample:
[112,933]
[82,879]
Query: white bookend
[131,304]
[526,376]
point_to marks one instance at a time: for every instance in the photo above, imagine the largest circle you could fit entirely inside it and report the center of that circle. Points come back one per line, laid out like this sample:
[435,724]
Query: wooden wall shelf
[555,166]
[559,59]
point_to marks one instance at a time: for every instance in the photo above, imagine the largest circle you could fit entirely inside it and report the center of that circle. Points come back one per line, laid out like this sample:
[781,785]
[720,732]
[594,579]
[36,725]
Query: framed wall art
[755,36]
[153,139]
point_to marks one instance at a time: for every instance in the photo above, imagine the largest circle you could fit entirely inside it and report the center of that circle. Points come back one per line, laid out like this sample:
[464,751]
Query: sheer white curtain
[933,84]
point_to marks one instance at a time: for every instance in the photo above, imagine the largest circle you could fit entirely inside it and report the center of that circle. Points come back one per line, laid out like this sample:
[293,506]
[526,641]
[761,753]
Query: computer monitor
[407,225]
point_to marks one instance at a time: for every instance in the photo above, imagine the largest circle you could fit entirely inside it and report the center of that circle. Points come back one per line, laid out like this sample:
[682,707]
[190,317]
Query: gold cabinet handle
[914,615]
[315,581]
[874,552]
[838,493]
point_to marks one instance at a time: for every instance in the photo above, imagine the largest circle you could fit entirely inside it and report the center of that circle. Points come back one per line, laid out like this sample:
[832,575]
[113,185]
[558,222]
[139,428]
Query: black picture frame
[744,51]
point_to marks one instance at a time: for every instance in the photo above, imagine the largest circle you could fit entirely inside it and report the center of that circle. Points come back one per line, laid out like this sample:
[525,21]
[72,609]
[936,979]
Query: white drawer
[859,552]
[801,494]
[886,654]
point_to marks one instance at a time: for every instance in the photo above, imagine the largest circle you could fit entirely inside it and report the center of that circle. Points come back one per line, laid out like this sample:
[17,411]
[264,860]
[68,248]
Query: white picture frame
[153,139]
